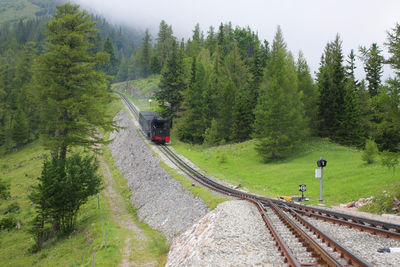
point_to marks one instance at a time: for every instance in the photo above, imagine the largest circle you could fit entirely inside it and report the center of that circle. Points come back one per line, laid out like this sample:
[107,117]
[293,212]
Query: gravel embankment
[161,200]
[233,234]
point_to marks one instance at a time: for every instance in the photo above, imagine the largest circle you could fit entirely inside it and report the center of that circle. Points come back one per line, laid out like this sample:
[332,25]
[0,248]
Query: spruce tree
[172,84]
[20,130]
[279,125]
[310,93]
[164,43]
[331,84]
[111,67]
[145,54]
[73,95]
[192,127]
[373,67]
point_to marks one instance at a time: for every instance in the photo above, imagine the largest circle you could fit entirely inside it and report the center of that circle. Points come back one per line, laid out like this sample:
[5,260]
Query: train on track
[155,127]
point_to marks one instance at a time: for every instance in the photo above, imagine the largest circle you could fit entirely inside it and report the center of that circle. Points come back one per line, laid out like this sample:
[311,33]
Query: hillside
[14,10]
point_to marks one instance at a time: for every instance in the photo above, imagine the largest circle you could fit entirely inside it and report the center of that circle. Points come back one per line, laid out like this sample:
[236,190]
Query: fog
[307,24]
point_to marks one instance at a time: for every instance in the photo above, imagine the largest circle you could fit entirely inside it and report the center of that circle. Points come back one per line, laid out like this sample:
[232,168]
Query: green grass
[346,177]
[20,169]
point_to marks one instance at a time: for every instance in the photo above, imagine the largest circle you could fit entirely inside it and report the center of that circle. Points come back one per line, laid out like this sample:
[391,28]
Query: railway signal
[302,189]
[321,163]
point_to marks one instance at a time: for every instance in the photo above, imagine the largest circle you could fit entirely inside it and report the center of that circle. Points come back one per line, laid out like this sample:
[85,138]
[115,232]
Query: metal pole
[321,184]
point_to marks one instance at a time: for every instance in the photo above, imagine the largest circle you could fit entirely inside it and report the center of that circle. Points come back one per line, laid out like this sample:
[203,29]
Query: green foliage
[12,208]
[110,67]
[20,130]
[172,84]
[279,123]
[331,84]
[211,136]
[4,190]
[373,67]
[73,95]
[390,159]
[384,200]
[370,152]
[8,223]
[63,188]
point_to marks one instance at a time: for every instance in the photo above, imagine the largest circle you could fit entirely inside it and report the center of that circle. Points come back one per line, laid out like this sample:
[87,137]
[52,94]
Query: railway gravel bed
[160,200]
[363,244]
[233,234]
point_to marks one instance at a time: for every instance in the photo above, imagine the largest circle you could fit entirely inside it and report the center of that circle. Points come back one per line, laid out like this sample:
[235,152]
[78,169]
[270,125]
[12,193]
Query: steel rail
[344,252]
[320,252]
[354,223]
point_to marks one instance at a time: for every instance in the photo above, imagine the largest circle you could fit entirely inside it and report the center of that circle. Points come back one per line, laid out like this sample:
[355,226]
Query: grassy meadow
[346,176]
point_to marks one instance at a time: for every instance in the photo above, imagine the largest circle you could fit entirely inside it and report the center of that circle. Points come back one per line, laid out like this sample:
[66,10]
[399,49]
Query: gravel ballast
[160,200]
[233,234]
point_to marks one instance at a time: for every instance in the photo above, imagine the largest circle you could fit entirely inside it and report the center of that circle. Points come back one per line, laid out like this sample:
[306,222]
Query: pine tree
[164,43]
[145,54]
[193,125]
[172,84]
[122,74]
[279,124]
[73,95]
[111,67]
[373,67]
[20,130]
[331,85]
[310,94]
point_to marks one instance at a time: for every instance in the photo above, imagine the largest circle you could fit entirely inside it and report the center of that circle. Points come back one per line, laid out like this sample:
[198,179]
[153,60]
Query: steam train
[155,127]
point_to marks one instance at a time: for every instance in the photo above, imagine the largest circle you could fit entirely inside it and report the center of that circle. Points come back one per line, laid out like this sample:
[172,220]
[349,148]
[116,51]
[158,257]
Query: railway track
[286,221]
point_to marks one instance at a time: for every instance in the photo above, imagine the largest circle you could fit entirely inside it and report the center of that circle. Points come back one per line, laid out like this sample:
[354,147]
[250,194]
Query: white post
[321,183]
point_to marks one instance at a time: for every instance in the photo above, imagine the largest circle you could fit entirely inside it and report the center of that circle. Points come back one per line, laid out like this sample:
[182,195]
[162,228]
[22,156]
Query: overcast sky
[307,25]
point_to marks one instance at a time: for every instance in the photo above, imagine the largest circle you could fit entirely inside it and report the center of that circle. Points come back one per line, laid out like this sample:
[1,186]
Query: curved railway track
[321,249]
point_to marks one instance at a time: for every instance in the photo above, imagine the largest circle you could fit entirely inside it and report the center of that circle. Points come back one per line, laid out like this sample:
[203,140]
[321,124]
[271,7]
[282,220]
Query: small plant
[221,158]
[4,190]
[389,160]
[8,223]
[12,208]
[370,152]
[211,137]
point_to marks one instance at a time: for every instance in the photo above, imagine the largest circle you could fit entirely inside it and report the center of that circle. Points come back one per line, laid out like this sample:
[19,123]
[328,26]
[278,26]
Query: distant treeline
[229,86]
[20,45]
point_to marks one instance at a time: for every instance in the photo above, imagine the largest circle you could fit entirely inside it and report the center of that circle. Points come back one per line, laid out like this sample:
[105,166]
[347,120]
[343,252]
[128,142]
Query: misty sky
[307,24]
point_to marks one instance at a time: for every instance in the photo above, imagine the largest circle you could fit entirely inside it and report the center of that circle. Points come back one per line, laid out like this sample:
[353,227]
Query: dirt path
[136,240]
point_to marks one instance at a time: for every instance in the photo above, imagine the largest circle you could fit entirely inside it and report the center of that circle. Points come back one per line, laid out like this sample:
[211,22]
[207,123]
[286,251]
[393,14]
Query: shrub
[4,190]
[389,159]
[64,186]
[370,152]
[211,137]
[8,223]
[12,208]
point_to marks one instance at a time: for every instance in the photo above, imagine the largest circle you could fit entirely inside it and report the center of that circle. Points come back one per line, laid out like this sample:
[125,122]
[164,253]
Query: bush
[4,190]
[389,159]
[64,186]
[370,152]
[8,223]
[12,208]
[211,137]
